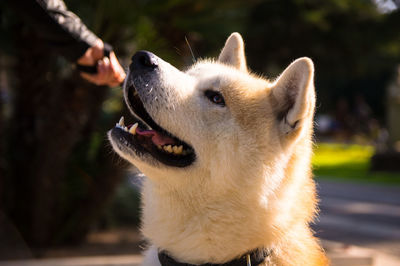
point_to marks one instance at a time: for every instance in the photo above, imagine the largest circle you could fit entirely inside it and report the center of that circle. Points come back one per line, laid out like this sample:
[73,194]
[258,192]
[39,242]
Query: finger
[116,65]
[101,68]
[121,77]
[90,78]
[106,75]
[114,61]
[109,73]
[102,72]
[106,61]
[119,73]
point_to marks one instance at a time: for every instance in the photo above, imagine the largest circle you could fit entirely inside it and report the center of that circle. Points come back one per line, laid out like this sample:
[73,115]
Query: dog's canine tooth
[159,147]
[132,130]
[122,122]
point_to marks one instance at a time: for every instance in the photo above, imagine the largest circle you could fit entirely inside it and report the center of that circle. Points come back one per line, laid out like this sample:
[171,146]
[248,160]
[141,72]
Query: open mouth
[145,136]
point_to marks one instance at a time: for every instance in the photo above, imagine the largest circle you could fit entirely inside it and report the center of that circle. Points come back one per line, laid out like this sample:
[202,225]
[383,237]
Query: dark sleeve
[62,29]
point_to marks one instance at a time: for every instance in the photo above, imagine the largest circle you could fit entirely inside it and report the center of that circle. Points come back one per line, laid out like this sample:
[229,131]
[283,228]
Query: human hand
[109,71]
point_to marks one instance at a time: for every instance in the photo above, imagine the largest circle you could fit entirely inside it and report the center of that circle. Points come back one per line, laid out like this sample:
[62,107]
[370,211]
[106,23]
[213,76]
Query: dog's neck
[210,220]
[213,219]
[253,258]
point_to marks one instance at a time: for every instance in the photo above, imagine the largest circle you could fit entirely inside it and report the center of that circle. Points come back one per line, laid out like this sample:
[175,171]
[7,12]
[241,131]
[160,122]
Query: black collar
[256,257]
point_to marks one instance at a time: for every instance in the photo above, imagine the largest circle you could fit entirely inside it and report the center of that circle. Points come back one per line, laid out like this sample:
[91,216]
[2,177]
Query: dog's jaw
[146,139]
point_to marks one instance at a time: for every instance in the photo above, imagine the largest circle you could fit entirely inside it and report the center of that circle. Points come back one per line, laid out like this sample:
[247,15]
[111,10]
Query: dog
[226,154]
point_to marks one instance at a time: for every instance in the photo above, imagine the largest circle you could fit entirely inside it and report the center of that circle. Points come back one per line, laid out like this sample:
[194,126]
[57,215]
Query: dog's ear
[293,96]
[233,52]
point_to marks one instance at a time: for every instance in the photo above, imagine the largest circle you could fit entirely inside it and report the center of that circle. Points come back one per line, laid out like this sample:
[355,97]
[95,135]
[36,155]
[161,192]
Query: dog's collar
[252,258]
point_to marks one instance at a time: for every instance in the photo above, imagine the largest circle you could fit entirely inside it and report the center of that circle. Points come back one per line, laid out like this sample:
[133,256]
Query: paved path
[359,225]
[358,214]
[120,260]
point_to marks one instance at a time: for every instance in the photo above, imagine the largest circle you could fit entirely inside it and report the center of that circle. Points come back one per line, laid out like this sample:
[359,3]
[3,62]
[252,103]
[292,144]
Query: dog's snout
[144,60]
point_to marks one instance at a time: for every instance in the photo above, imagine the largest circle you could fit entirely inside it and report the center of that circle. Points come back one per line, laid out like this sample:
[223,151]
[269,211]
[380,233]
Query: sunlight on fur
[226,154]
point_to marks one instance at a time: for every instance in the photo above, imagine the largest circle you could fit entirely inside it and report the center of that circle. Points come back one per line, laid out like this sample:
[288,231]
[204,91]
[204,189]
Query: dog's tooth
[168,148]
[132,130]
[126,129]
[174,149]
[159,147]
[121,121]
[177,150]
[180,149]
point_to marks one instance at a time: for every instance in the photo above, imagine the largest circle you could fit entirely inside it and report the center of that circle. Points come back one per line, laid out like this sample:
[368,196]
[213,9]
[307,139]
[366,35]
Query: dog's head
[215,117]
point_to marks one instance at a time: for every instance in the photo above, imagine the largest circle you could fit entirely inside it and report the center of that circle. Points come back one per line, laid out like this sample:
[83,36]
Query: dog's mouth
[145,136]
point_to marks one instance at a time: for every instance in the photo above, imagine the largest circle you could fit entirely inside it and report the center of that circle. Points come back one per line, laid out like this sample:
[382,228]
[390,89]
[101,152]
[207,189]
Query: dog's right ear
[293,97]
[233,52]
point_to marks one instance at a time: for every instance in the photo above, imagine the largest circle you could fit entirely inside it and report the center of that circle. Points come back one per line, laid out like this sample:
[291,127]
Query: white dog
[227,159]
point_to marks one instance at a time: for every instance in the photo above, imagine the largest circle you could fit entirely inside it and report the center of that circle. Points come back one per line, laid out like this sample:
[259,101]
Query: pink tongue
[157,138]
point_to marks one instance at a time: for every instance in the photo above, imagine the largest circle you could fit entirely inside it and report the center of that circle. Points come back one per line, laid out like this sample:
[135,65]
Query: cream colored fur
[251,183]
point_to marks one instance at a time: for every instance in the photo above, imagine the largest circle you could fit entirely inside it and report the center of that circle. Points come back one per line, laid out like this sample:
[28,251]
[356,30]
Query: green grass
[345,162]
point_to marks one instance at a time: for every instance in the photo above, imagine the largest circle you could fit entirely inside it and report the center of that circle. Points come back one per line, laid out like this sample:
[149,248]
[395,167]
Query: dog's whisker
[191,51]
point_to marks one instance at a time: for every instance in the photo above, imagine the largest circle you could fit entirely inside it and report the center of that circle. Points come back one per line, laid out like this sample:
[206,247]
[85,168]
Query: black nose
[144,60]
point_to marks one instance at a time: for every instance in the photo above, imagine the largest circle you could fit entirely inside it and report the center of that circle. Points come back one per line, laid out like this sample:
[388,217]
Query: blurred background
[64,193]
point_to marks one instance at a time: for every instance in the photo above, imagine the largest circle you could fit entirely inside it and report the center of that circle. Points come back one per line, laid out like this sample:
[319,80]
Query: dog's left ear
[293,96]
[233,52]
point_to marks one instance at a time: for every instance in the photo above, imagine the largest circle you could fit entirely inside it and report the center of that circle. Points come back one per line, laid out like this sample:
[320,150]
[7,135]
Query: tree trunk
[51,112]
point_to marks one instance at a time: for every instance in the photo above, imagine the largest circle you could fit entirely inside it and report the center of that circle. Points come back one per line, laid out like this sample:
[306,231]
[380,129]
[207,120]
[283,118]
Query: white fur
[251,175]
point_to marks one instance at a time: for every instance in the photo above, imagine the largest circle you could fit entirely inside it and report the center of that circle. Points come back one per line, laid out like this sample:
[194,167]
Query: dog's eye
[215,97]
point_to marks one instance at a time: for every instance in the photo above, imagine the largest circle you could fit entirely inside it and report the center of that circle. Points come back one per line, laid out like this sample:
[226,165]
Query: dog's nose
[144,60]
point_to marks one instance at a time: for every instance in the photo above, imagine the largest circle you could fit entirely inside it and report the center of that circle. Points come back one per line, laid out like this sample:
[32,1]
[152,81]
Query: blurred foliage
[354,47]
[344,162]
[161,26]
[124,209]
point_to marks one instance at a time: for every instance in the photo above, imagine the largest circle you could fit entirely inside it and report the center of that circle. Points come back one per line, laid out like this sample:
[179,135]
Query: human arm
[69,37]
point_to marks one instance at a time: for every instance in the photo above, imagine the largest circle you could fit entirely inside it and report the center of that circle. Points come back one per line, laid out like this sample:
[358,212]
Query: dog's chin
[146,141]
